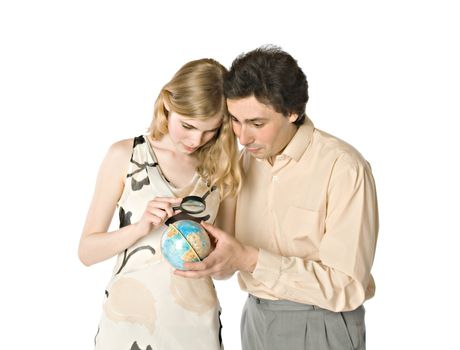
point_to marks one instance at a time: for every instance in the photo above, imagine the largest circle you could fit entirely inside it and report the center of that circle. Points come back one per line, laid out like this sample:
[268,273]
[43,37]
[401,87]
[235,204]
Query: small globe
[185,241]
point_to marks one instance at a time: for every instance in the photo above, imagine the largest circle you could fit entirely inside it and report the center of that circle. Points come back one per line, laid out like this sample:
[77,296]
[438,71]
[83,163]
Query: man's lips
[252,149]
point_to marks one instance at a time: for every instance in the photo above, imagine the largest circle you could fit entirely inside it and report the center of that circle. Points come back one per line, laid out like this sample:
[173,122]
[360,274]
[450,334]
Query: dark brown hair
[273,77]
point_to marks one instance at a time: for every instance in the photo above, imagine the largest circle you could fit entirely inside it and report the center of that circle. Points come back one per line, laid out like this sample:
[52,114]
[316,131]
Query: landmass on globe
[185,241]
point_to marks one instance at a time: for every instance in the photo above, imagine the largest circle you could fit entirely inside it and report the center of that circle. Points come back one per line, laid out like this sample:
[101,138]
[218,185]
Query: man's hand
[228,256]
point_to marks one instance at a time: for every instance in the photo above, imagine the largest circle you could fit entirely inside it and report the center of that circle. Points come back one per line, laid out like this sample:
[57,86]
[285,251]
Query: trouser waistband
[279,305]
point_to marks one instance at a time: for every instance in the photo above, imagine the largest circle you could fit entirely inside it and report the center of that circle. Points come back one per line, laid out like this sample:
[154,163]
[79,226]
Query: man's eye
[258,125]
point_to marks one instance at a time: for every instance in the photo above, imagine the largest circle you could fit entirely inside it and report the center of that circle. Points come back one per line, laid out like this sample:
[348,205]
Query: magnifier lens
[193,206]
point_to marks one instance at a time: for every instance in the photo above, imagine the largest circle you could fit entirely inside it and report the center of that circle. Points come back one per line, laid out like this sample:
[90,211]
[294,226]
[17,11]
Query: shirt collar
[300,141]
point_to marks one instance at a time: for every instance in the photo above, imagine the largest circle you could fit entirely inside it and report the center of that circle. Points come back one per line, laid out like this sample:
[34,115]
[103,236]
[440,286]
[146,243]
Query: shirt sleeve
[338,281]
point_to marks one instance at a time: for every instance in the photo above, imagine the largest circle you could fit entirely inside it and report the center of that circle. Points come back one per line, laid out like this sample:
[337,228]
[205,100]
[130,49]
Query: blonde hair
[196,91]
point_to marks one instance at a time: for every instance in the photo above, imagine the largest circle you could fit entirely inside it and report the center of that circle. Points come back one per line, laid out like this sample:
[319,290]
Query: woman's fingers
[165,204]
[161,208]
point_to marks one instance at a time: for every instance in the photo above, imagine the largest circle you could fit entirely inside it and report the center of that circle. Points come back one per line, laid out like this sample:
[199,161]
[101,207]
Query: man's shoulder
[332,148]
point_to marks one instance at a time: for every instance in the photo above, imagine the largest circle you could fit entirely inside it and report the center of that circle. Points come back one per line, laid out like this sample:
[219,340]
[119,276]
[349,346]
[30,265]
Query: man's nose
[245,136]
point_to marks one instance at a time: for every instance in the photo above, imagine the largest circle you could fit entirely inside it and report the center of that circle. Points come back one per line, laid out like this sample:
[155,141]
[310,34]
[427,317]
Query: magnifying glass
[192,205]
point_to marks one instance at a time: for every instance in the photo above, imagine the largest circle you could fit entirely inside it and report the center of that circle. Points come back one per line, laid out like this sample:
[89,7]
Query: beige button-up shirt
[313,215]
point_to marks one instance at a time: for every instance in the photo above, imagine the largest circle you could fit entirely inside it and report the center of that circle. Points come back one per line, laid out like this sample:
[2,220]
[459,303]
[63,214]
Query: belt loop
[256,299]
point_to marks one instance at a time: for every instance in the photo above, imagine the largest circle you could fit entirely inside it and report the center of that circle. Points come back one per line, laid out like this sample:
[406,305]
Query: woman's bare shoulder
[117,157]
[121,148]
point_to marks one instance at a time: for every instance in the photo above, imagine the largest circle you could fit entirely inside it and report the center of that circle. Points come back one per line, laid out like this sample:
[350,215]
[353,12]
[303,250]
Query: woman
[190,149]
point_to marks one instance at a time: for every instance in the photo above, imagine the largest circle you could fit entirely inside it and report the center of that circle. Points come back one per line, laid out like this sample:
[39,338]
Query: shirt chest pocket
[302,231]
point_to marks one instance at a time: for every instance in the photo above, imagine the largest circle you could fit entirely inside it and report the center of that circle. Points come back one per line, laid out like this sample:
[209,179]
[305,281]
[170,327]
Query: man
[306,217]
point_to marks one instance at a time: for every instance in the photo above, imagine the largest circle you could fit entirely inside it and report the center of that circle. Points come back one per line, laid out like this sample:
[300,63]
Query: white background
[76,76]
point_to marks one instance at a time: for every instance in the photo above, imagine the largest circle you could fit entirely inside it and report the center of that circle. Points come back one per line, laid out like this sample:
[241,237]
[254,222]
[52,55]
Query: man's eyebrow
[251,120]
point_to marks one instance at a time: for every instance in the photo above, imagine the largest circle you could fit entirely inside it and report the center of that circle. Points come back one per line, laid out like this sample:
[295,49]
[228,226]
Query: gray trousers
[287,325]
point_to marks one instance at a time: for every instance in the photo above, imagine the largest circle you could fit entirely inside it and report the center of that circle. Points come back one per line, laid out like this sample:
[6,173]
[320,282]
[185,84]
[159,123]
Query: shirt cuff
[268,268]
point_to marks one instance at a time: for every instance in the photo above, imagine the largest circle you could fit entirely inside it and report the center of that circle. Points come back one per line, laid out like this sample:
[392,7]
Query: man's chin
[256,152]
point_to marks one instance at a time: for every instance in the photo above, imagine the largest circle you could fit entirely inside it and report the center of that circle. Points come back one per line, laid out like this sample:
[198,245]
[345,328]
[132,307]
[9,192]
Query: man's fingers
[190,274]
[194,271]
[214,231]
[196,266]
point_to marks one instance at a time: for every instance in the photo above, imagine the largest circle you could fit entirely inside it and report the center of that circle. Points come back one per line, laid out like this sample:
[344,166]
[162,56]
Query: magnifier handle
[177,208]
[208,192]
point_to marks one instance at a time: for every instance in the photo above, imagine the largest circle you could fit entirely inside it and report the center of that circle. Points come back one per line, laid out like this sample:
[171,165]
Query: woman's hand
[156,213]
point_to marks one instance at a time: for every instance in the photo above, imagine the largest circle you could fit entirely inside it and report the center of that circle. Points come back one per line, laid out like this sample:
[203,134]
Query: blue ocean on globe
[184,241]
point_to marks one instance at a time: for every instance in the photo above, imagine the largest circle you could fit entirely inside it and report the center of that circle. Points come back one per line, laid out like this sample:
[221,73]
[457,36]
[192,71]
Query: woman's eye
[188,127]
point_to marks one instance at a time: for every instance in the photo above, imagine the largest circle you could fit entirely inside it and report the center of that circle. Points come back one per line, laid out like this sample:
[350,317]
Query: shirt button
[275,178]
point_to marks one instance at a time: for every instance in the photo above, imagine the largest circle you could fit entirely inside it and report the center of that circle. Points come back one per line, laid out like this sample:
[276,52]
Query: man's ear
[293,117]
